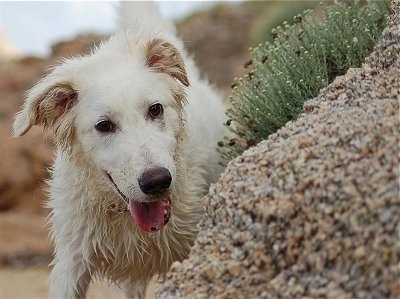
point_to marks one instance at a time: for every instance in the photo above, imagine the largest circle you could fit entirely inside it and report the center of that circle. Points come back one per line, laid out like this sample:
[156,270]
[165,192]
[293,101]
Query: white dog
[136,131]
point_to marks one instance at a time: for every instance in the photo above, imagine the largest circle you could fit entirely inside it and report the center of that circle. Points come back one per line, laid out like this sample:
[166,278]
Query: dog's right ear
[45,104]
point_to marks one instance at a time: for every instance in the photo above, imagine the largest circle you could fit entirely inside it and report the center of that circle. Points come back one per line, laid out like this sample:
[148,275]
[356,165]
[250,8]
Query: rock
[313,211]
[24,160]
[82,44]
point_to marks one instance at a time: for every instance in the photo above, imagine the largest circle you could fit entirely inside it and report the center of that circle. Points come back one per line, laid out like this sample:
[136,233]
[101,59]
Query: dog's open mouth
[149,216]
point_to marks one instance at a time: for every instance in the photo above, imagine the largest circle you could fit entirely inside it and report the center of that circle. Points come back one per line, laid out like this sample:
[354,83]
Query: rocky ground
[312,212]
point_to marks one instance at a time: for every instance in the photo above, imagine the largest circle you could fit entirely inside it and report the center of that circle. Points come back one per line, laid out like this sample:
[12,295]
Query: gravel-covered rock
[312,212]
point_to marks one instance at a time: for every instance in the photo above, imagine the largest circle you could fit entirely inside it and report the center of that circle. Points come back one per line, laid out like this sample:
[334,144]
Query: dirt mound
[312,212]
[220,47]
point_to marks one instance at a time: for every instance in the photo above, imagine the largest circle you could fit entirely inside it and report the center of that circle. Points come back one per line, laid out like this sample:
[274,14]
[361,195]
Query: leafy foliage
[301,59]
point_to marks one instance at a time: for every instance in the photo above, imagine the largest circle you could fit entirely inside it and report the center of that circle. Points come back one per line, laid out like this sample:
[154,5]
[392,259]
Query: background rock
[312,212]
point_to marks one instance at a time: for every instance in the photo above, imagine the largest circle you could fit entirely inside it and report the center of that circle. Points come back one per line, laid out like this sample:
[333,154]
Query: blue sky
[33,26]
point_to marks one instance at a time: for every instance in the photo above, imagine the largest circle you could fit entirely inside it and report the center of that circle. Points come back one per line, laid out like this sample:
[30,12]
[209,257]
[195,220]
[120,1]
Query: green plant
[274,13]
[302,59]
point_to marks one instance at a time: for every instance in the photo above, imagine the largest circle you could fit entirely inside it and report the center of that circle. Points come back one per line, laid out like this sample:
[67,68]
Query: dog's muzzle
[153,215]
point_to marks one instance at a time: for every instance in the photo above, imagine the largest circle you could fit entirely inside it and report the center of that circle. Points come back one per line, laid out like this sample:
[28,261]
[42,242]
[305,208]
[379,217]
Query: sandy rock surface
[312,212]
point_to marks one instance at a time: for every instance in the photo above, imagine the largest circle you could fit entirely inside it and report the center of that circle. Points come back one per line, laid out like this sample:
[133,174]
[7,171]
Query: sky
[33,26]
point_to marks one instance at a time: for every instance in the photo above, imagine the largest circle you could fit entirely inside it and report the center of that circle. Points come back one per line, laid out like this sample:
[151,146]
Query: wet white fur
[91,237]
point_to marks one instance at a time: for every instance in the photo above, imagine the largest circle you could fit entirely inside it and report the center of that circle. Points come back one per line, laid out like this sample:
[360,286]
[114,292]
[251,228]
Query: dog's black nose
[155,180]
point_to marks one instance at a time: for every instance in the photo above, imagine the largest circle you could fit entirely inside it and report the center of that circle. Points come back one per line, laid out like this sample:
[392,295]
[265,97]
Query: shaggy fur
[96,172]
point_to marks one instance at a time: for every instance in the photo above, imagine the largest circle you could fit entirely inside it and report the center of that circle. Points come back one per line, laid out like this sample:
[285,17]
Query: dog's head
[120,108]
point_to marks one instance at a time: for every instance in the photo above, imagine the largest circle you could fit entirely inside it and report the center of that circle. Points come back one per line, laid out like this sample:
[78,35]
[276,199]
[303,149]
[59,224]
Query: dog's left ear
[163,57]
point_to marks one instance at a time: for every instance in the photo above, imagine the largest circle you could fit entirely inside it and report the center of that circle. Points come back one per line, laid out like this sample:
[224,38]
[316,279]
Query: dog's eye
[105,126]
[156,110]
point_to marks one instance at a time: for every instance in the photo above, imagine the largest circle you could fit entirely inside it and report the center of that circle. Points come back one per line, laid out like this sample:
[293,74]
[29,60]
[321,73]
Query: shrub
[301,59]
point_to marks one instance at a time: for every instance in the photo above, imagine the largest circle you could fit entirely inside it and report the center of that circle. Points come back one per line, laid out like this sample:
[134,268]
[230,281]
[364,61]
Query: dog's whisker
[116,187]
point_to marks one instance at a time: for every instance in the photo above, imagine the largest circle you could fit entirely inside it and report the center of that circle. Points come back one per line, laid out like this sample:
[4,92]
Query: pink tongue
[151,216]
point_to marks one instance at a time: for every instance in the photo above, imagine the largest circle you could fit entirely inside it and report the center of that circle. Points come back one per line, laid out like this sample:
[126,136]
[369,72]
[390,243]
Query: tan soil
[31,283]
